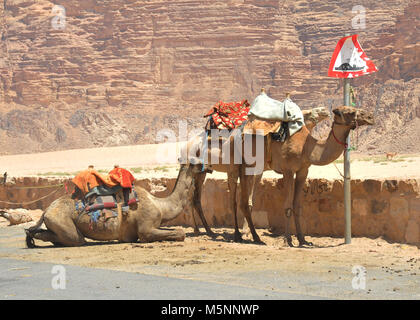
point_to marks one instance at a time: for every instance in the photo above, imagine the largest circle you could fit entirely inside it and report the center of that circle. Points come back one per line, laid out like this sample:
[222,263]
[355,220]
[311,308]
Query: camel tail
[32,230]
[38,225]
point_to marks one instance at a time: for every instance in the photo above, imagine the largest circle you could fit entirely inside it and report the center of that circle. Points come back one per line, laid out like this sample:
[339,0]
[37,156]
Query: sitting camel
[312,118]
[65,226]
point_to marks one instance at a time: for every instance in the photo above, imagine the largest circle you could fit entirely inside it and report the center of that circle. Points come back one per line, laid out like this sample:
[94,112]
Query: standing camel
[65,226]
[294,157]
[312,117]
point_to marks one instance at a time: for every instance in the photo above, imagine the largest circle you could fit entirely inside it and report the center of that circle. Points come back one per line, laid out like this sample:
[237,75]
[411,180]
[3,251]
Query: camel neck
[326,151]
[173,205]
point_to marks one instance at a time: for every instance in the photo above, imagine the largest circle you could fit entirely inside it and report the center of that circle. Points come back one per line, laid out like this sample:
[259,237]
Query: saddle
[256,125]
[272,116]
[99,202]
[227,115]
[102,193]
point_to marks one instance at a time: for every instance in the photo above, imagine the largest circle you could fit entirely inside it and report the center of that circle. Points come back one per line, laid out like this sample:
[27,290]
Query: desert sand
[164,157]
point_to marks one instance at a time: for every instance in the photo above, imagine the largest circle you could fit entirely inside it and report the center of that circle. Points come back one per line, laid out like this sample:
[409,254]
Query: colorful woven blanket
[227,115]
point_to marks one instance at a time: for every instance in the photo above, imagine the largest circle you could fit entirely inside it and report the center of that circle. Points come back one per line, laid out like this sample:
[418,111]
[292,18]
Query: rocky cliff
[121,70]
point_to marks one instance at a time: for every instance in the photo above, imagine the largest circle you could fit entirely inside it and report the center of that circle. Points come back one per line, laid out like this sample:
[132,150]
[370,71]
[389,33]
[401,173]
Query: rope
[353,103]
[29,202]
[37,187]
[342,175]
[205,147]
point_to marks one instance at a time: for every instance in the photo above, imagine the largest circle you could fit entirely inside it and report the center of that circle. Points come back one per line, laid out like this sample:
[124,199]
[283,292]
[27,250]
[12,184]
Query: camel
[390,155]
[66,227]
[312,118]
[294,157]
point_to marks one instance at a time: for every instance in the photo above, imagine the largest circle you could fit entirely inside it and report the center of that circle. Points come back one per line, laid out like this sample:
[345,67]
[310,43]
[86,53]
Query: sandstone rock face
[122,70]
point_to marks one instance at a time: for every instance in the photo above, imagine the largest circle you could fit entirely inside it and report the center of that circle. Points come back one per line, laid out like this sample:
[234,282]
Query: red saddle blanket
[227,115]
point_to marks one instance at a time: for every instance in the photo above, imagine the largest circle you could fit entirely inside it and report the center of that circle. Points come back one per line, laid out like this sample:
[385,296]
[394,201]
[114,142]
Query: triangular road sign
[349,59]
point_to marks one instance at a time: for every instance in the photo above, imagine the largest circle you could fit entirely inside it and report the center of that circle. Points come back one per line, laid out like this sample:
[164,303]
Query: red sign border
[339,74]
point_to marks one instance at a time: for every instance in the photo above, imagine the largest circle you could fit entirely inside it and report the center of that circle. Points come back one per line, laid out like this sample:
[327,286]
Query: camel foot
[305,243]
[30,243]
[210,233]
[259,242]
[237,237]
[289,241]
[257,239]
[196,231]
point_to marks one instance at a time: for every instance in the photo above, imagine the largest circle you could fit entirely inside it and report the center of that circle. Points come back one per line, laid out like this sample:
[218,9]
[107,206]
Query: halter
[352,127]
[336,139]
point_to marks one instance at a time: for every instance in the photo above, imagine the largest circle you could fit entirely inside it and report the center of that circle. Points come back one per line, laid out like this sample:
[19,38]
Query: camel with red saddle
[312,117]
[66,226]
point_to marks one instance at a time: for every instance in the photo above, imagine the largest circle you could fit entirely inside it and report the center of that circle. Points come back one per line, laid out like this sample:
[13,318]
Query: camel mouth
[322,113]
[364,118]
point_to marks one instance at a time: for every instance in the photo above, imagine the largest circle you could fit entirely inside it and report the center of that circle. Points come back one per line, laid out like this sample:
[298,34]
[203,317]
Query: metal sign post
[349,61]
[347,177]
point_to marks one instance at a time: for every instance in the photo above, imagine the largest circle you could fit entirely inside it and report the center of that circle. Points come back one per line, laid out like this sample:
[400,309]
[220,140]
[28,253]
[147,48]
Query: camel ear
[339,113]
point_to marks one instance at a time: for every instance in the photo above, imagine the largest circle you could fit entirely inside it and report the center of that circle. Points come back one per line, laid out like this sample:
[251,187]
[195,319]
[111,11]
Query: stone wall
[380,208]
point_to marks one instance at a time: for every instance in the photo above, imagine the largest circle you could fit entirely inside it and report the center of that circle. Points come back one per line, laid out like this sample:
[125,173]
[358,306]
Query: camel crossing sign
[349,60]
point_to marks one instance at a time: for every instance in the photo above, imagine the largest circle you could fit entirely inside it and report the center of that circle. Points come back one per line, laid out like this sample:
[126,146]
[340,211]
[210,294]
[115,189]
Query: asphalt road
[24,279]
[34,280]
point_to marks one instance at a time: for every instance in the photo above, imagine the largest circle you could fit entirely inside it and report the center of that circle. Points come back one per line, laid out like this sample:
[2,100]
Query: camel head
[353,117]
[77,194]
[314,116]
[195,164]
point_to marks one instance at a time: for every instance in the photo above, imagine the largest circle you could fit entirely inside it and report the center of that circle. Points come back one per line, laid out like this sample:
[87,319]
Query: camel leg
[246,183]
[61,230]
[41,234]
[233,185]
[196,228]
[155,234]
[288,204]
[199,182]
[297,204]
[251,200]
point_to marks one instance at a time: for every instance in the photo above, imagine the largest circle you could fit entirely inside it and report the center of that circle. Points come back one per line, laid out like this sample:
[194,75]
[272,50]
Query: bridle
[336,139]
[354,126]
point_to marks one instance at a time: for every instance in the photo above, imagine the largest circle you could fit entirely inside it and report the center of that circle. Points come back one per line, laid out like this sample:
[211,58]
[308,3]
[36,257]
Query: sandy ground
[153,161]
